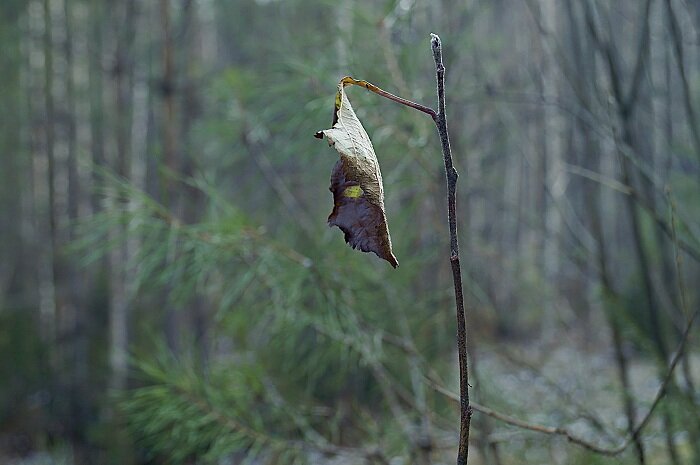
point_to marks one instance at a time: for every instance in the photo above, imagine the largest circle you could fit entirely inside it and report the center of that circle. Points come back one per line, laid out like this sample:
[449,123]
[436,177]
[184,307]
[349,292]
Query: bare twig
[562,431]
[578,408]
[451,175]
[551,430]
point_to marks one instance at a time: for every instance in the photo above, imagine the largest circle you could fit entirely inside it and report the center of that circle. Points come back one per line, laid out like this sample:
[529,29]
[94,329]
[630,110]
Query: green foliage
[183,412]
[284,323]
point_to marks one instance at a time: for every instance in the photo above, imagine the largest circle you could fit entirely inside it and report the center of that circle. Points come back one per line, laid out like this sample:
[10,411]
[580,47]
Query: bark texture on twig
[451,175]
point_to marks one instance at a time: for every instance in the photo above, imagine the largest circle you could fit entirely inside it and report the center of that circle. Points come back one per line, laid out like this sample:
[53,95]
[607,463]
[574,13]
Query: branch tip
[436,46]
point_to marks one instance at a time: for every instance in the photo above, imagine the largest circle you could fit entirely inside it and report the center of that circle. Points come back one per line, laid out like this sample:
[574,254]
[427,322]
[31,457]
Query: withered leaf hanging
[356,183]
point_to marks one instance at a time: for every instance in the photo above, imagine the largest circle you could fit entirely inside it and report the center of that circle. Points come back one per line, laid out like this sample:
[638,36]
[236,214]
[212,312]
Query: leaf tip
[393,261]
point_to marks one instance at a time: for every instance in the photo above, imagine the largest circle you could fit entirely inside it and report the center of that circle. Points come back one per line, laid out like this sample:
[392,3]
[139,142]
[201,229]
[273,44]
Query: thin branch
[613,184]
[451,176]
[347,80]
[691,248]
[561,431]
[676,253]
[551,430]
[578,408]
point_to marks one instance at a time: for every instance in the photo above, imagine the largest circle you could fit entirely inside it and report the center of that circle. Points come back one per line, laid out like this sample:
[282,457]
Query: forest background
[170,292]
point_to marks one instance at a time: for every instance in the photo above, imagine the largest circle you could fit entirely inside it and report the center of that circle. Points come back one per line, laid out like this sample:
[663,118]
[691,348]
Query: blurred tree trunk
[75,362]
[674,53]
[13,121]
[97,277]
[552,132]
[33,86]
[95,77]
[49,305]
[677,43]
[74,190]
[167,88]
[583,62]
[122,75]
[192,199]
[626,105]
[633,146]
[173,318]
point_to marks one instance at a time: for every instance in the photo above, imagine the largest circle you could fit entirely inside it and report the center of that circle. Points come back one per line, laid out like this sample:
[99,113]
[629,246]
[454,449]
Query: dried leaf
[356,183]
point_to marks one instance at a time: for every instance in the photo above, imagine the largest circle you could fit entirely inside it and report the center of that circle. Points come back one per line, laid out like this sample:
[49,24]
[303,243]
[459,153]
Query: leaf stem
[347,80]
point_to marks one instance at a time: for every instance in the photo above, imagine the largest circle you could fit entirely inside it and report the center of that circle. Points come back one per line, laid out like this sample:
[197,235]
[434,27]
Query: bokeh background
[171,294]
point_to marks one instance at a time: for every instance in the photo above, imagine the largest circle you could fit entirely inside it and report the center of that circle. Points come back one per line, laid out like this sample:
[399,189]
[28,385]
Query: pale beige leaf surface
[356,184]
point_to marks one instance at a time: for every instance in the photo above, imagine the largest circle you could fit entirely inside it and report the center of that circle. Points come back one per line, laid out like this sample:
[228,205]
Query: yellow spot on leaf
[353,192]
[338,100]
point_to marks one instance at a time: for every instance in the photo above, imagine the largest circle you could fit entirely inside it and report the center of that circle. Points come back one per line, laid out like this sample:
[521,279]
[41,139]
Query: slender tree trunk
[169,141]
[585,60]
[73,282]
[49,308]
[192,199]
[627,105]
[555,181]
[95,79]
[168,93]
[15,258]
[73,180]
[122,73]
[612,307]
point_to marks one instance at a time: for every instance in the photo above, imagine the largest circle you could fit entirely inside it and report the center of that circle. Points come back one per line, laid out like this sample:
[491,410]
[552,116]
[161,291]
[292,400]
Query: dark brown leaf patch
[362,222]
